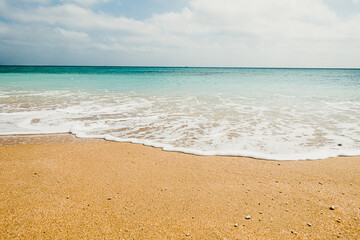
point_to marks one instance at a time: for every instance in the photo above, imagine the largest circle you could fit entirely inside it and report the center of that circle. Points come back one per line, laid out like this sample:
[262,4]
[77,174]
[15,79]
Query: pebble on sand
[332,208]
[236,225]
[309,224]
[109,198]
[248,217]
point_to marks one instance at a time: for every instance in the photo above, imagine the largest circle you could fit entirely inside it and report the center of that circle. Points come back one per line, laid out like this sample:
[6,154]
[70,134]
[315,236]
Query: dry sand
[60,187]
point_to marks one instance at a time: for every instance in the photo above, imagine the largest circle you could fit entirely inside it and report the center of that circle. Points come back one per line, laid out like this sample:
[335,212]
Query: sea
[266,113]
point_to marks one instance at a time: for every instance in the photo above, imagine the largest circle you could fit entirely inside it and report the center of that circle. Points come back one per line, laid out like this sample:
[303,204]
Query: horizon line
[158,66]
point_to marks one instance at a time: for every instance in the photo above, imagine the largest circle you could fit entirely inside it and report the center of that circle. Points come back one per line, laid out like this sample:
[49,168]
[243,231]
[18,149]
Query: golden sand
[60,187]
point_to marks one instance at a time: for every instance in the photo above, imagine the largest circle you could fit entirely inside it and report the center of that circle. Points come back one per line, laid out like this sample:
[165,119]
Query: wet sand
[61,187]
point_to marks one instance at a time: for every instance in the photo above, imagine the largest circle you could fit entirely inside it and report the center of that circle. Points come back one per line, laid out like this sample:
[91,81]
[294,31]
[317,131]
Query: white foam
[278,128]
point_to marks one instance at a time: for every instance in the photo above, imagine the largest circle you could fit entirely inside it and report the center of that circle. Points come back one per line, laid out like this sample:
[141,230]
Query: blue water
[281,114]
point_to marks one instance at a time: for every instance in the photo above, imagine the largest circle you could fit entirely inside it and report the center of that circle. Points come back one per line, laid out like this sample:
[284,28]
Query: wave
[277,127]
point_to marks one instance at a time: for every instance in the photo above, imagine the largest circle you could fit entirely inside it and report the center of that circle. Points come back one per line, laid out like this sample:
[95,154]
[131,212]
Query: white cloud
[294,33]
[73,35]
[75,17]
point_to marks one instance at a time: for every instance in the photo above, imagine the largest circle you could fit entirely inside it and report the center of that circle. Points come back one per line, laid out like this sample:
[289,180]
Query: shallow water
[282,114]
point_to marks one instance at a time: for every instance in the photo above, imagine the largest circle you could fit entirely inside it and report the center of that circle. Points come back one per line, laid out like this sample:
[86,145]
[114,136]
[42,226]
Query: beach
[61,187]
[183,119]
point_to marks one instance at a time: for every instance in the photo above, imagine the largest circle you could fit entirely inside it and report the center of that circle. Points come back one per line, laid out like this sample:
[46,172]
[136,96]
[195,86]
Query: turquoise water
[282,114]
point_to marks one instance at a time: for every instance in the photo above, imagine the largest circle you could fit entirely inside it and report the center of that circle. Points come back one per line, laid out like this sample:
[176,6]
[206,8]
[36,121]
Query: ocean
[267,113]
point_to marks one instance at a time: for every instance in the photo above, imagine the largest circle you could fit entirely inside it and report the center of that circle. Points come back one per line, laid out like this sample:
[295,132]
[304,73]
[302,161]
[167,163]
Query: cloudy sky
[240,33]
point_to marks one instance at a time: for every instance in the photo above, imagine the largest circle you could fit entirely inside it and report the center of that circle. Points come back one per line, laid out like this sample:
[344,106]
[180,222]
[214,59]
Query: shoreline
[38,138]
[60,186]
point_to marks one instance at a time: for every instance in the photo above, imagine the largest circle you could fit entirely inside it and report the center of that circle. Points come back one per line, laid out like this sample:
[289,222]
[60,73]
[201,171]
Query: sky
[204,33]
